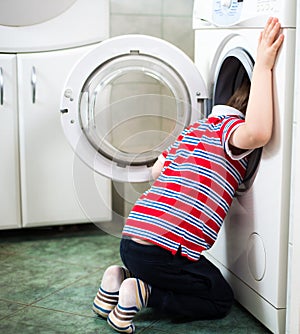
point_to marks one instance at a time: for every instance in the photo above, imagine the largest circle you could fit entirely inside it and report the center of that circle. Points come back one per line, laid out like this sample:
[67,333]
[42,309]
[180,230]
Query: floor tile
[94,250]
[238,321]
[76,298]
[42,321]
[35,266]
[9,308]
[26,280]
[144,320]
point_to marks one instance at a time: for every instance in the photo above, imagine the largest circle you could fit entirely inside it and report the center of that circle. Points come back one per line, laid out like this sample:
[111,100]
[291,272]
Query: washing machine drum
[235,68]
[127,101]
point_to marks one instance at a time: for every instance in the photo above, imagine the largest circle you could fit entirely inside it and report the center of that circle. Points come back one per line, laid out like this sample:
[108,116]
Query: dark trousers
[180,287]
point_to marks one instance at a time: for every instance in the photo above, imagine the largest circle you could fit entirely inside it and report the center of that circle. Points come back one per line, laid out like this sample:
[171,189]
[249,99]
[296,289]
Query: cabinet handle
[33,83]
[1,87]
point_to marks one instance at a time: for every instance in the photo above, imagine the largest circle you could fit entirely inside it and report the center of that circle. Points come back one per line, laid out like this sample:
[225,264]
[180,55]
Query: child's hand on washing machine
[257,128]
[269,43]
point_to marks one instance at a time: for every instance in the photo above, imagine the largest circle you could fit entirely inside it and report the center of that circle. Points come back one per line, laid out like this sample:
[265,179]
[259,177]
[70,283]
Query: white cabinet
[9,162]
[47,161]
[56,188]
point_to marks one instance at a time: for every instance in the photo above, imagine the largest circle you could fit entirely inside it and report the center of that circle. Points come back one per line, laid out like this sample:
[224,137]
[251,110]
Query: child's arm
[257,129]
[157,167]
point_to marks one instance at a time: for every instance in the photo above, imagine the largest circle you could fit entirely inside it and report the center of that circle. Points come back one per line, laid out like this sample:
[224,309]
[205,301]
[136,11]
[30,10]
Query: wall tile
[144,7]
[136,24]
[178,7]
[178,31]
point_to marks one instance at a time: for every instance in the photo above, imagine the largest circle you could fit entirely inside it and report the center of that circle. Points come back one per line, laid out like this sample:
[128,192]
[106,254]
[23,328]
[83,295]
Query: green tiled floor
[49,277]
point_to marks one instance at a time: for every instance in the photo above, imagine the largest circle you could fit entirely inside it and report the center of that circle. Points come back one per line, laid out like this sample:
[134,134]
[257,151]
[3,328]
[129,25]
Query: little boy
[180,215]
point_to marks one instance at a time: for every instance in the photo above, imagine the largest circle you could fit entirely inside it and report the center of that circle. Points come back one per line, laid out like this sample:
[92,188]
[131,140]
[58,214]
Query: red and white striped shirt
[187,204]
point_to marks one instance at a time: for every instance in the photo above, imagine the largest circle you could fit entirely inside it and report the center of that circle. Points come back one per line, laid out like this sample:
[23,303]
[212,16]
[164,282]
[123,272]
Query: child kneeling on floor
[179,217]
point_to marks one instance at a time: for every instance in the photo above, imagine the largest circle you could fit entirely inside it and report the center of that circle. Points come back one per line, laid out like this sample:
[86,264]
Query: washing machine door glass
[126,101]
[132,108]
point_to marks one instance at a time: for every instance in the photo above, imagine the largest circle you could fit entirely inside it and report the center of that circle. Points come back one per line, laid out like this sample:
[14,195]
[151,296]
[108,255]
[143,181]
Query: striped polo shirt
[186,206]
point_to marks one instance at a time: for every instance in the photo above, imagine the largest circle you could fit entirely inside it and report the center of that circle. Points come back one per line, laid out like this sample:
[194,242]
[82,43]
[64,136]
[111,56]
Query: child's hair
[239,99]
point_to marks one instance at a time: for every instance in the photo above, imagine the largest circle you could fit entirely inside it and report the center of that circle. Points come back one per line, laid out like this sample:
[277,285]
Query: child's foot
[108,293]
[133,296]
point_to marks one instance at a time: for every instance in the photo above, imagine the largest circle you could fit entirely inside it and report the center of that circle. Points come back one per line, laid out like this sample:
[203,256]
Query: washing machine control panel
[227,12]
[243,13]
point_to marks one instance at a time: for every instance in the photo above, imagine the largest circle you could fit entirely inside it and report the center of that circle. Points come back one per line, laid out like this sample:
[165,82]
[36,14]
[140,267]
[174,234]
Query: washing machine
[34,26]
[128,99]
[253,243]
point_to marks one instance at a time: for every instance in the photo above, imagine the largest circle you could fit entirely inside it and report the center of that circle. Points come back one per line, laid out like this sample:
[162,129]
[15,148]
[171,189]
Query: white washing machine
[253,243]
[126,101]
[31,25]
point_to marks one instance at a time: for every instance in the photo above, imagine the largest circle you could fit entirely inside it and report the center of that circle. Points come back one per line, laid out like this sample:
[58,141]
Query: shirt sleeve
[229,126]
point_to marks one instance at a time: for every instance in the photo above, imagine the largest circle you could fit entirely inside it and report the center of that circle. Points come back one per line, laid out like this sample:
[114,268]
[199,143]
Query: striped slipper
[105,301]
[121,317]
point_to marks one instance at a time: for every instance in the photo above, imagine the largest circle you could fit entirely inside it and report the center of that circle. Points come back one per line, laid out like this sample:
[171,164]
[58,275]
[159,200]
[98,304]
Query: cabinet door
[56,187]
[9,165]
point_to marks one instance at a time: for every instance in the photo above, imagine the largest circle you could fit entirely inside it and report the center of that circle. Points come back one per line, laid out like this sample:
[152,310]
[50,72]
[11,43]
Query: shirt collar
[224,110]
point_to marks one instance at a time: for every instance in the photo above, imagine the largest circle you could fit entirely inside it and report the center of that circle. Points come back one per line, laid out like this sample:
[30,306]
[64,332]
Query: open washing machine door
[126,101]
